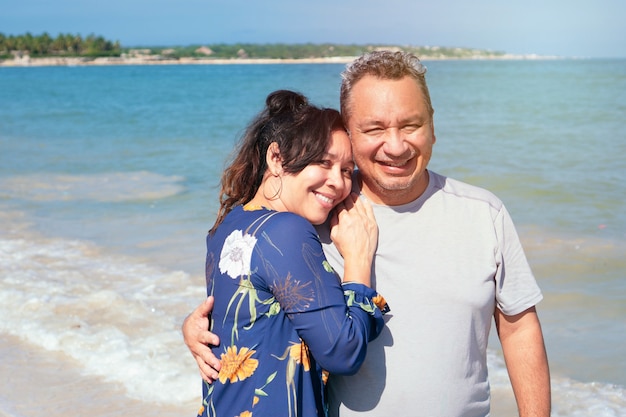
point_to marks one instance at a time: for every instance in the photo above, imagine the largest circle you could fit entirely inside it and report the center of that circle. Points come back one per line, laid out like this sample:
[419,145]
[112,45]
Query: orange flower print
[201,410]
[245,414]
[237,366]
[300,353]
[381,303]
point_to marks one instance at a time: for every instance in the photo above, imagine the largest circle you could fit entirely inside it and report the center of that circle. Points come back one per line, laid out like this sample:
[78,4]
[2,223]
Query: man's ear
[274,159]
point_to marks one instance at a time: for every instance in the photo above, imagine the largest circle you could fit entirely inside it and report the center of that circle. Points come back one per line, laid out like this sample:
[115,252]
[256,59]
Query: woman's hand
[354,232]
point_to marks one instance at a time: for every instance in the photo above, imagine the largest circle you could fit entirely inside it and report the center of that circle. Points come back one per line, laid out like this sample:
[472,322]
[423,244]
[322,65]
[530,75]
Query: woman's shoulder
[262,218]
[285,219]
[281,229]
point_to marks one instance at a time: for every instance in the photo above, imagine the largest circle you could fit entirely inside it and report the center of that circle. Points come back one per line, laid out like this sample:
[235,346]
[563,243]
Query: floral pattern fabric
[283,317]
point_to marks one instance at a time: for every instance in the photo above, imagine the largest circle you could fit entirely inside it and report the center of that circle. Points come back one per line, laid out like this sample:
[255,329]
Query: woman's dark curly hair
[302,132]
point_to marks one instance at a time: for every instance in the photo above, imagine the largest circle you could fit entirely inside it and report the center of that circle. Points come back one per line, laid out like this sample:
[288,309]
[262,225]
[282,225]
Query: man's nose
[395,144]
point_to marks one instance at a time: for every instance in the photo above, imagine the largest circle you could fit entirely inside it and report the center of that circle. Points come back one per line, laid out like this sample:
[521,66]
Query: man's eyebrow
[370,122]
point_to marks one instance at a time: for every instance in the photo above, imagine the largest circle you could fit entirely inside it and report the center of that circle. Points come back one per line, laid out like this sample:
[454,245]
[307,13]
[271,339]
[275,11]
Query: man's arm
[526,361]
[198,338]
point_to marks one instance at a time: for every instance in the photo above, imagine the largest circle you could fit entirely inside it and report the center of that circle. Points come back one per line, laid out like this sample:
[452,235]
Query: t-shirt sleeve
[335,321]
[516,287]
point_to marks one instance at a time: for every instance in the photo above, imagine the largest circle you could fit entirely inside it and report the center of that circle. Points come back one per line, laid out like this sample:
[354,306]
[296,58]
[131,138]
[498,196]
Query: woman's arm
[342,347]
[335,320]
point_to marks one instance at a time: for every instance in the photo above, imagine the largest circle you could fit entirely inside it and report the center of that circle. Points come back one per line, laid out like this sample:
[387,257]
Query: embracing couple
[377,302]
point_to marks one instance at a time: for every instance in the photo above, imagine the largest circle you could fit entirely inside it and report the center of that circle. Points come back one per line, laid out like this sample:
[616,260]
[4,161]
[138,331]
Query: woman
[280,310]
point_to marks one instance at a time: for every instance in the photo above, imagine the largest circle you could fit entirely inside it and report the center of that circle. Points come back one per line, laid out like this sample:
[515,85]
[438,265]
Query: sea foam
[118,318]
[103,187]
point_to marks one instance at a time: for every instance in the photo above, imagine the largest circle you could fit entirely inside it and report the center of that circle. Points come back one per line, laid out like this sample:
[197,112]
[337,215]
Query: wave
[570,398]
[119,319]
[103,187]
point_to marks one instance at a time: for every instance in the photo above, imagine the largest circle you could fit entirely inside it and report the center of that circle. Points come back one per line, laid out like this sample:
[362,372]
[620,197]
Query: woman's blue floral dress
[283,317]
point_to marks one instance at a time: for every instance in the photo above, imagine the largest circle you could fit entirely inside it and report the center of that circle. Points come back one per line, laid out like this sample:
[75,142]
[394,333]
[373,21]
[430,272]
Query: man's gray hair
[386,65]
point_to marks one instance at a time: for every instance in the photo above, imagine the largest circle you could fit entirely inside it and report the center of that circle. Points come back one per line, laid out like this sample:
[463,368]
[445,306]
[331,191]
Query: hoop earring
[276,194]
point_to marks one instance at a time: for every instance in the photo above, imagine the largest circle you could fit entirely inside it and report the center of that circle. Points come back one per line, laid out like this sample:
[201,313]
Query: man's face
[392,138]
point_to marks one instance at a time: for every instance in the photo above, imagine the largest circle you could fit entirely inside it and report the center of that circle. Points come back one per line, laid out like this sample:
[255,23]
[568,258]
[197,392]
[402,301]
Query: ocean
[108,185]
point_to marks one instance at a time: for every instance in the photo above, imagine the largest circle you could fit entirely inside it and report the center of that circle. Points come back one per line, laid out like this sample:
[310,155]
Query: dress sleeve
[335,321]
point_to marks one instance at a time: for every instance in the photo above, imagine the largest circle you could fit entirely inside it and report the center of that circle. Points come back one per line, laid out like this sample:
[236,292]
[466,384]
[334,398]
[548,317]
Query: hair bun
[283,102]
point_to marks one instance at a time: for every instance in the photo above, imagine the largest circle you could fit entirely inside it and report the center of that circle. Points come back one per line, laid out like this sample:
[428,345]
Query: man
[448,260]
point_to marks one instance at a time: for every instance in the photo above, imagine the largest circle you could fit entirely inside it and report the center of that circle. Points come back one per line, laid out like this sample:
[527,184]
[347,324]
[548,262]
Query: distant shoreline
[27,61]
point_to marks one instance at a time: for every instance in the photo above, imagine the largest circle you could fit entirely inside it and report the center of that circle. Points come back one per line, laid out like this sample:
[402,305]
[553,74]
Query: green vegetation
[308,50]
[63,45]
[67,45]
[262,51]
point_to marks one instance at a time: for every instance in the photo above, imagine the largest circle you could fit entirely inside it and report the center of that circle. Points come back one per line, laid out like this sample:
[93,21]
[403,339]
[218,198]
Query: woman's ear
[274,160]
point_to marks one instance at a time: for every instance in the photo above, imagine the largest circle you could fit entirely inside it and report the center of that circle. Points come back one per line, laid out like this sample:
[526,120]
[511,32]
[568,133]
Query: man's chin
[395,185]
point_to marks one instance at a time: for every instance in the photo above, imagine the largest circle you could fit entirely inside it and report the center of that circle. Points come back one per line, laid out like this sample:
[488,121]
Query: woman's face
[317,189]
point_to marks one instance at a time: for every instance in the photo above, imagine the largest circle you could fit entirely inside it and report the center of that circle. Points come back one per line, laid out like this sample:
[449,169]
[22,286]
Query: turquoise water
[108,184]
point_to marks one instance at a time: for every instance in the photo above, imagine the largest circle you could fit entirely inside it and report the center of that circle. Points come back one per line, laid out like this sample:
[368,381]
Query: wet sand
[43,383]
[38,383]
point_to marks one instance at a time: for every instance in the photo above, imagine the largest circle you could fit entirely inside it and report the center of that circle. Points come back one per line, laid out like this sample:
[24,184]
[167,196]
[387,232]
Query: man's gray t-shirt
[443,263]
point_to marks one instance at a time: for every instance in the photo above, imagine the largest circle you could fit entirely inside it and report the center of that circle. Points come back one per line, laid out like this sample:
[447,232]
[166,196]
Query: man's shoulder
[453,188]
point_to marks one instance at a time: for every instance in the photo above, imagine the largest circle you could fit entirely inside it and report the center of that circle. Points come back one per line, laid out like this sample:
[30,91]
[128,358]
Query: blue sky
[591,28]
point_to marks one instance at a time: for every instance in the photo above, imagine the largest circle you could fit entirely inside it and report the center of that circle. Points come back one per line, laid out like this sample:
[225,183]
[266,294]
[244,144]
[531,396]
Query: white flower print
[237,254]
